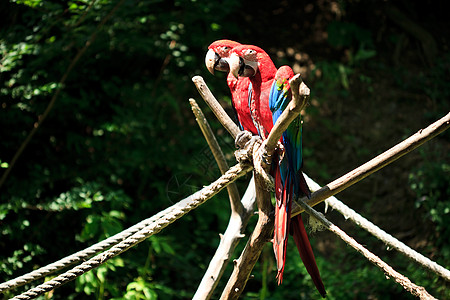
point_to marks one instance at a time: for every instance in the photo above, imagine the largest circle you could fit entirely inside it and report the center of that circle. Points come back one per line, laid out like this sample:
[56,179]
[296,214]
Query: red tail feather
[306,253]
[283,195]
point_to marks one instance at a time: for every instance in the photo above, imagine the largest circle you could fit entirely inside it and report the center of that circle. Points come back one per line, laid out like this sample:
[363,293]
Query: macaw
[247,60]
[217,59]
[242,90]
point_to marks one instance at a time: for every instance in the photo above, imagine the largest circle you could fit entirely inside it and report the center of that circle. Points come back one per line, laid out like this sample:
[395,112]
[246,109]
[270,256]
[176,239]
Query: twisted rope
[159,221]
[404,281]
[380,234]
[78,256]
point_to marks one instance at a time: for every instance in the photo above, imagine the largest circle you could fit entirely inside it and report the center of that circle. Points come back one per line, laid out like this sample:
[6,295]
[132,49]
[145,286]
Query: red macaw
[246,60]
[271,86]
[217,59]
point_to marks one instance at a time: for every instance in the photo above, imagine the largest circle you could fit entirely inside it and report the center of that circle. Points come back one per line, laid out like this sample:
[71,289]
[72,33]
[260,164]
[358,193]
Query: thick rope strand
[78,256]
[380,234]
[167,217]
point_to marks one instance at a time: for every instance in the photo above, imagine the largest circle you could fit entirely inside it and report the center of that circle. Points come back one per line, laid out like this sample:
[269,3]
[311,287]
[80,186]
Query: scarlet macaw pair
[260,93]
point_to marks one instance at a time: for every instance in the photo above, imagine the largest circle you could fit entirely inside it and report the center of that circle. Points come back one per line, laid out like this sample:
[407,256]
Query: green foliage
[120,143]
[103,158]
[430,184]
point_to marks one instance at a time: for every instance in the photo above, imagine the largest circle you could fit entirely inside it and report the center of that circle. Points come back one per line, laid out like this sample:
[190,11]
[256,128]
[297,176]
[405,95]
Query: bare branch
[240,214]
[236,205]
[228,242]
[376,163]
[260,236]
[300,96]
[388,270]
[218,110]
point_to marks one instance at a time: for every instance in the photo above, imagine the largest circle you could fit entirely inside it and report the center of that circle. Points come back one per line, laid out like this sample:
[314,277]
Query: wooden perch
[376,163]
[235,201]
[262,234]
[414,289]
[300,96]
[264,227]
[240,214]
[218,110]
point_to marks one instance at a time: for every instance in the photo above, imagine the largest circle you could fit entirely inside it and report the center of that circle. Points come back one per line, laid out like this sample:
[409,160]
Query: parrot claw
[242,139]
[245,151]
[262,167]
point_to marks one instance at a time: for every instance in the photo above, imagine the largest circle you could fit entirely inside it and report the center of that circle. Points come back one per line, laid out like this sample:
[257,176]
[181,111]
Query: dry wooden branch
[218,110]
[300,96]
[240,214]
[235,199]
[228,242]
[262,233]
[388,270]
[249,256]
[376,163]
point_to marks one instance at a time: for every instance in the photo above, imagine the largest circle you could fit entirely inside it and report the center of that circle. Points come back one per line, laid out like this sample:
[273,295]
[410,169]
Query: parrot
[242,89]
[271,94]
[217,59]
[261,82]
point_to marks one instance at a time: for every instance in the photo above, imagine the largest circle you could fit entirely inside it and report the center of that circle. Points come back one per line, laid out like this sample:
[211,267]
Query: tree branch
[388,270]
[235,201]
[218,110]
[300,96]
[228,242]
[260,236]
[262,232]
[376,163]
[240,214]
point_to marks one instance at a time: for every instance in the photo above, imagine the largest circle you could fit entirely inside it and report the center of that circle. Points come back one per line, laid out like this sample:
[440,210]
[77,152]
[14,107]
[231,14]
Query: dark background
[121,136]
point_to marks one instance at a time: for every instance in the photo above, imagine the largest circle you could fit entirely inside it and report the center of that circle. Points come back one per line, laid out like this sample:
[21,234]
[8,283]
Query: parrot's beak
[214,62]
[210,60]
[242,67]
[236,65]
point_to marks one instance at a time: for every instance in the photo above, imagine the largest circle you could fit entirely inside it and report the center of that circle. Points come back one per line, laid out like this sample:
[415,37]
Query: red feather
[306,253]
[261,114]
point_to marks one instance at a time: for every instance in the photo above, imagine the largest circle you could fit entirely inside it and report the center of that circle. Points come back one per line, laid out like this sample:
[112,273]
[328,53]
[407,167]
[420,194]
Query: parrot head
[218,54]
[245,60]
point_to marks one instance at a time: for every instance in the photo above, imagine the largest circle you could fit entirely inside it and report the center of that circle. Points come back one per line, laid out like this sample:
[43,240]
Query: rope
[159,221]
[380,234]
[404,281]
[78,256]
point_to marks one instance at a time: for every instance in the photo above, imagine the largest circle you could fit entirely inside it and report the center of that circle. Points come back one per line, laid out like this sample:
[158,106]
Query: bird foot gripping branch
[262,164]
[251,149]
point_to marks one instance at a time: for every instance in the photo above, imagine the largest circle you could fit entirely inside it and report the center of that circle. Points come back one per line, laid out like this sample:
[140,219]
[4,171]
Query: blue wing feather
[292,181]
[292,138]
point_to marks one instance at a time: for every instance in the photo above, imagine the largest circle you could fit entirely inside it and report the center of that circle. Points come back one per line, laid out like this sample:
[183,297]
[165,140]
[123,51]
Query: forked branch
[241,211]
[249,256]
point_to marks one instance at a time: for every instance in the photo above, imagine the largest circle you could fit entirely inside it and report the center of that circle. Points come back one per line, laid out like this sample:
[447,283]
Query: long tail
[306,253]
[282,221]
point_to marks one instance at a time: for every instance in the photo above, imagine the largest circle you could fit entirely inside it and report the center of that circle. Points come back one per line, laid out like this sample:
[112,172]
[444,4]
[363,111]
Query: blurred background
[120,142]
